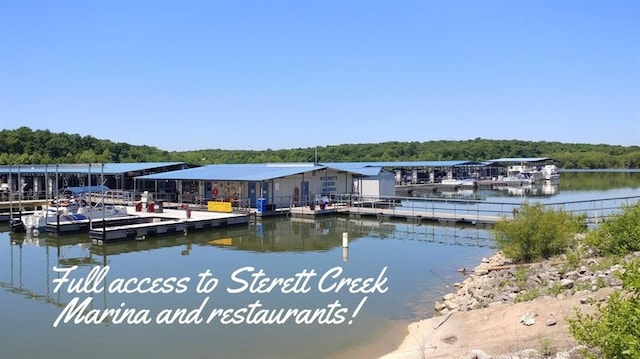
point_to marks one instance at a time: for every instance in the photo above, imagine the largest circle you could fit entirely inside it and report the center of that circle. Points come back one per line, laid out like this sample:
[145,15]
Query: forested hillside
[27,146]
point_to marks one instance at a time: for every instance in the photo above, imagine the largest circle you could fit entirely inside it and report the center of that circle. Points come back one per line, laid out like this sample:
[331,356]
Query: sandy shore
[496,329]
[383,342]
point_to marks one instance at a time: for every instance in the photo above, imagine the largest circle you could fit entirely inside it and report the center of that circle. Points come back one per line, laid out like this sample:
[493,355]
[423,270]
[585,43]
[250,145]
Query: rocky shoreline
[501,294]
[498,281]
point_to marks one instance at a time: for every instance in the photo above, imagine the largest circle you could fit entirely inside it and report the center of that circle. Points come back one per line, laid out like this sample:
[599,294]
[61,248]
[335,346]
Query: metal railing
[595,210]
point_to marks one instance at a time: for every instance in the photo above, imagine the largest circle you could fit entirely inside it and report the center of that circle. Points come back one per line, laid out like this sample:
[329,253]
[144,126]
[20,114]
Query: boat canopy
[80,190]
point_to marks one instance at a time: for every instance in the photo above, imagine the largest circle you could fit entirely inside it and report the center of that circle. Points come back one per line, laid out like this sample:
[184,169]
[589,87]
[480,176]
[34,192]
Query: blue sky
[184,75]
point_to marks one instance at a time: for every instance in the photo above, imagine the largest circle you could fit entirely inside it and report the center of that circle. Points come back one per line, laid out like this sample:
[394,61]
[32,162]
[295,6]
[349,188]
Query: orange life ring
[214,191]
[296,195]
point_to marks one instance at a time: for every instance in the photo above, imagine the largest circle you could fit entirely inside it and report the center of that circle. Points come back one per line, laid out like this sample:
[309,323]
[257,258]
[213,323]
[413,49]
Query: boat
[550,173]
[67,209]
[459,182]
[51,215]
[522,174]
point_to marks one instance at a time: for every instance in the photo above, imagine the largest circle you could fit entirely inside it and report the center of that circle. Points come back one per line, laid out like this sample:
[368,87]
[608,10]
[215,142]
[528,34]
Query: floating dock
[383,214]
[165,223]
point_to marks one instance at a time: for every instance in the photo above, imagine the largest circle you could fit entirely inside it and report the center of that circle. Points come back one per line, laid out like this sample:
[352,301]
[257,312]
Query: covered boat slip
[46,181]
[282,185]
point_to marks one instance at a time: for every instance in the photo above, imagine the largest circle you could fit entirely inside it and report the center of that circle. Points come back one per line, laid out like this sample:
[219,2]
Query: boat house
[278,185]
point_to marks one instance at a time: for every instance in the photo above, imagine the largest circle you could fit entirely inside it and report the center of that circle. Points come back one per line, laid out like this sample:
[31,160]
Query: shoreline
[487,315]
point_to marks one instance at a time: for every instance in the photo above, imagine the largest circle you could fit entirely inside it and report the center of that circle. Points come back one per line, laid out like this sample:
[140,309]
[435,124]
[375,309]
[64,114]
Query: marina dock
[168,222]
[386,214]
[140,224]
[475,212]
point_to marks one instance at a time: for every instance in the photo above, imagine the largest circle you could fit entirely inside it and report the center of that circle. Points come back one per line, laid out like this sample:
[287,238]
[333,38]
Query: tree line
[26,146]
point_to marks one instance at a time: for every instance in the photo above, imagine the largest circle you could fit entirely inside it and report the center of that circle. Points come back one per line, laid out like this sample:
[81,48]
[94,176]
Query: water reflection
[544,189]
[32,258]
[419,258]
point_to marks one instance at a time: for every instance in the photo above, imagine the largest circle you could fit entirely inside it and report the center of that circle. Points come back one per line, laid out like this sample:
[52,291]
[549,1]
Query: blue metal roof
[80,190]
[399,164]
[355,168]
[109,168]
[368,171]
[519,160]
[236,172]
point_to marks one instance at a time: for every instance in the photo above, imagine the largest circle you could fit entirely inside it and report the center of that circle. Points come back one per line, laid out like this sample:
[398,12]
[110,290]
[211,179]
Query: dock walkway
[416,215]
[476,212]
[395,213]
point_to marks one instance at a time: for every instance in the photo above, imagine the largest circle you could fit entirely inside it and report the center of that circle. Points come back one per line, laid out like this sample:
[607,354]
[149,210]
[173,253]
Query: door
[252,194]
[304,191]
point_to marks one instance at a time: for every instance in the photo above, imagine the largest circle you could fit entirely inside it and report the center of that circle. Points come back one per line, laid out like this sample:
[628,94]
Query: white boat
[459,182]
[523,174]
[550,173]
[39,219]
[71,208]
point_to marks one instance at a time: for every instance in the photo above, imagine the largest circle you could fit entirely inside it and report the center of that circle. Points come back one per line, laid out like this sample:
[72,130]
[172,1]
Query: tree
[614,331]
[536,233]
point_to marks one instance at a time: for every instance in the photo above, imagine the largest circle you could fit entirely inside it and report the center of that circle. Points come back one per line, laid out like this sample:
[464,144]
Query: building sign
[329,184]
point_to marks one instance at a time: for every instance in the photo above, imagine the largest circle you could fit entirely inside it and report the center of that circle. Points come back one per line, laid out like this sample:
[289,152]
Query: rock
[477,354]
[481,272]
[567,283]
[615,282]
[449,296]
[571,275]
[584,300]
[550,322]
[529,353]
[452,305]
[449,339]
[528,319]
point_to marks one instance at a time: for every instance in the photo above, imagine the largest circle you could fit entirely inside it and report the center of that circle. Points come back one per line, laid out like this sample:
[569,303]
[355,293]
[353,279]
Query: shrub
[614,330]
[620,235]
[536,233]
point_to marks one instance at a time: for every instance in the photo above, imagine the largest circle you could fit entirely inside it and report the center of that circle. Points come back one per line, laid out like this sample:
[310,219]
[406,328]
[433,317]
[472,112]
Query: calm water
[421,263]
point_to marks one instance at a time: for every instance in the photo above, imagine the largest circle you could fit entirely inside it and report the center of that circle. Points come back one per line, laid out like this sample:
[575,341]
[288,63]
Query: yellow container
[213,206]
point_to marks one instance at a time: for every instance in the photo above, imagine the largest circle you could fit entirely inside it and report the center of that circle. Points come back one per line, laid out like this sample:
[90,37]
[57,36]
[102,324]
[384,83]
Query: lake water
[409,266]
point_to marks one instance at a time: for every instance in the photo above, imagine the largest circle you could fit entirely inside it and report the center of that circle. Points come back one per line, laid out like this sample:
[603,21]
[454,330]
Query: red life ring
[214,191]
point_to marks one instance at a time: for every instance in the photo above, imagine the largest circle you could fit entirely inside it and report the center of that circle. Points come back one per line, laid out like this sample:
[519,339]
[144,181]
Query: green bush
[620,235]
[536,233]
[614,331]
